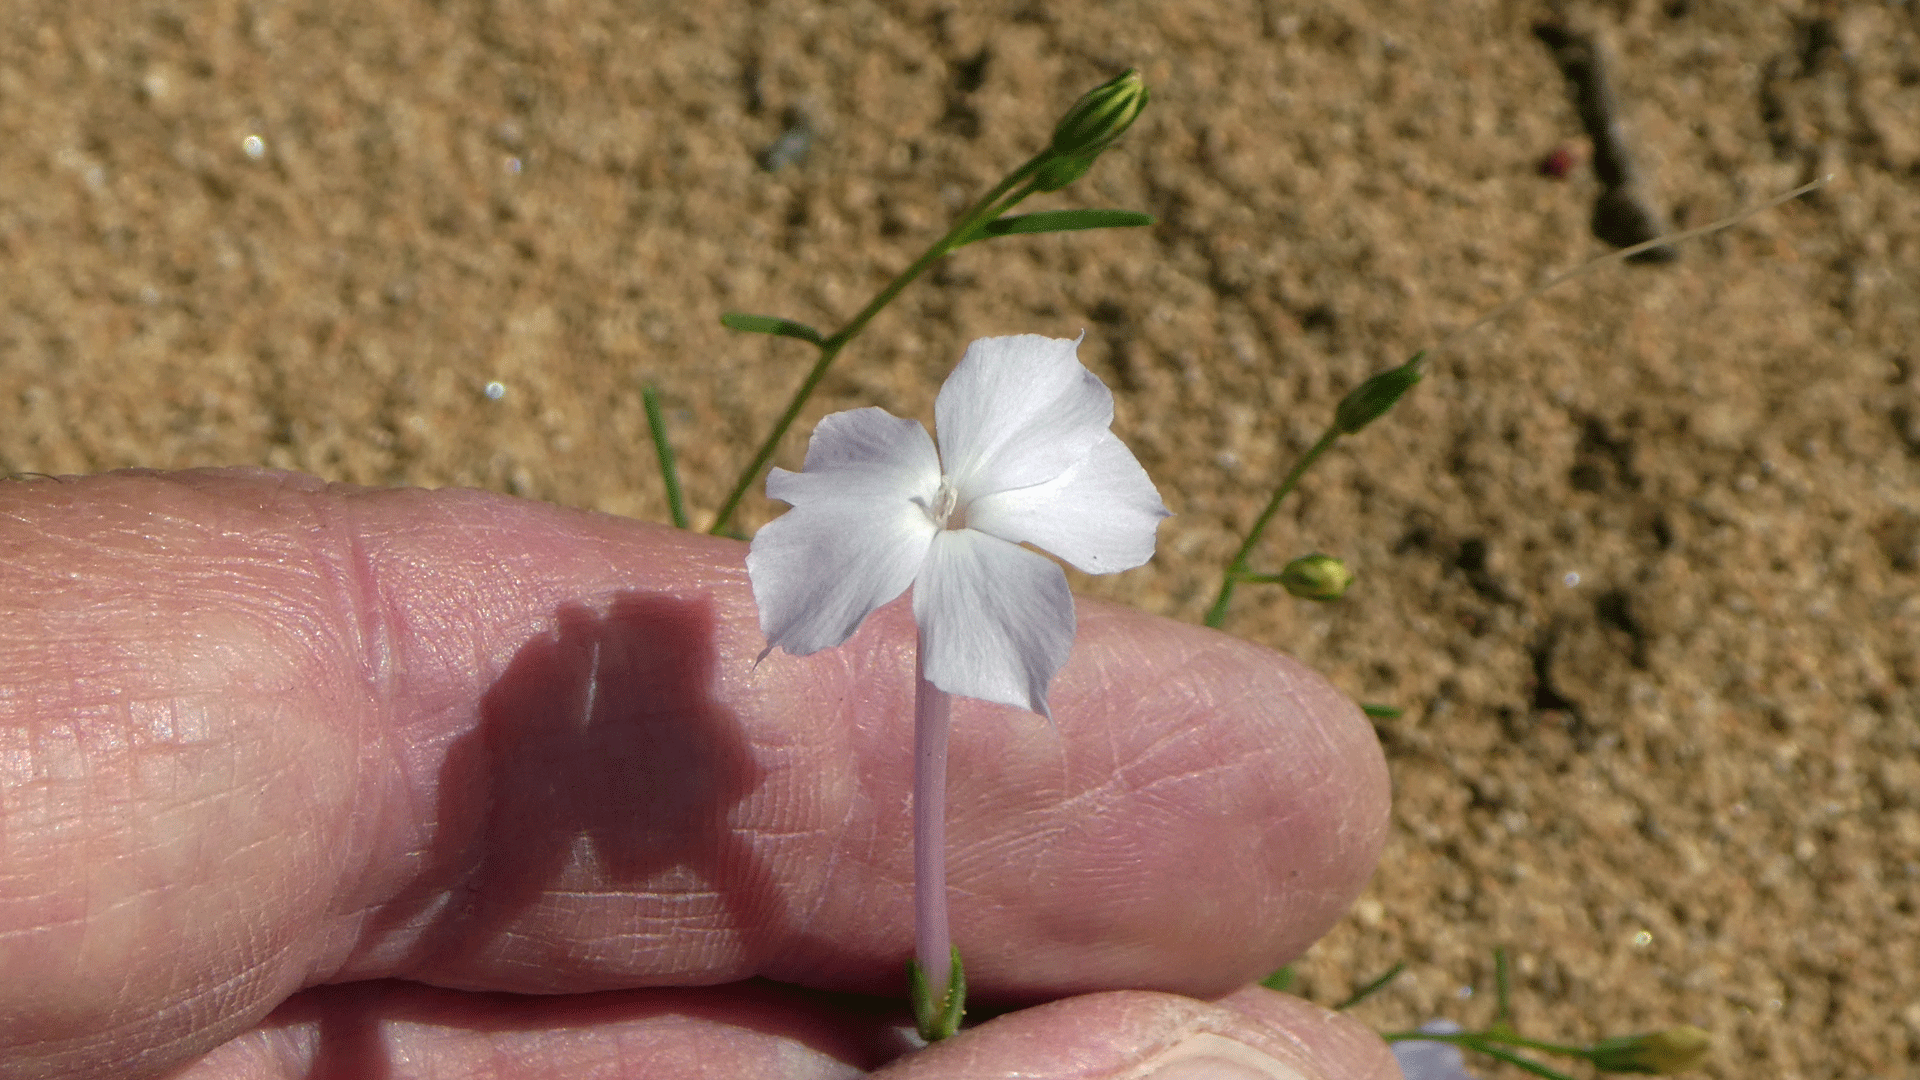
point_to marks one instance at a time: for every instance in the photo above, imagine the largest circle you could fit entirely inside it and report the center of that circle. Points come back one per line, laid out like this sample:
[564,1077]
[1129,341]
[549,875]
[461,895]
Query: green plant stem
[1371,988]
[1237,569]
[1519,1062]
[1503,992]
[669,471]
[1005,195]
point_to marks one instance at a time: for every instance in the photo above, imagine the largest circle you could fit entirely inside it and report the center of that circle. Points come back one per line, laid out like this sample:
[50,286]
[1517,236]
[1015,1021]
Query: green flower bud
[1317,577]
[1662,1053]
[1371,399]
[1099,117]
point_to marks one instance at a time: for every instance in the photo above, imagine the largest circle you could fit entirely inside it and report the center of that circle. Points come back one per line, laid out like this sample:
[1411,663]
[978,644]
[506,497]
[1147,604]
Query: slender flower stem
[990,206]
[1237,569]
[933,942]
[1476,1040]
[1009,191]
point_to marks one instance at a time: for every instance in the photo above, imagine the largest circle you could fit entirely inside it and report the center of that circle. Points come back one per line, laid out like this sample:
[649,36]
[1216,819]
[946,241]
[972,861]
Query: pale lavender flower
[1025,457]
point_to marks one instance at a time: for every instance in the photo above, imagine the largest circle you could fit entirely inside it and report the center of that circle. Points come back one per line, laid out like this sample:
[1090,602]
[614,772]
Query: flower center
[946,511]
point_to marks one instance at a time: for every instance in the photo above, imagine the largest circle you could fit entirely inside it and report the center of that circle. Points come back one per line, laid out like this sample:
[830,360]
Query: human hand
[309,781]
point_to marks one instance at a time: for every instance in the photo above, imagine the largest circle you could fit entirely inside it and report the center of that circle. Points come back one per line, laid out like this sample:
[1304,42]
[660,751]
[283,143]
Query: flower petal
[856,536]
[1422,1059]
[869,437]
[1099,515]
[1018,411]
[996,620]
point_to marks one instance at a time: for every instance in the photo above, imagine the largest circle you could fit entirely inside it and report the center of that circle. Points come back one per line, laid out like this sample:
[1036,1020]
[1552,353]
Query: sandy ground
[1640,563]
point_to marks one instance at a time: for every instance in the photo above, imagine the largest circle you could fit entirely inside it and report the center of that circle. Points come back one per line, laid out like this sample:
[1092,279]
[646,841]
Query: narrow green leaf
[767,324]
[669,471]
[1371,988]
[1383,712]
[1060,221]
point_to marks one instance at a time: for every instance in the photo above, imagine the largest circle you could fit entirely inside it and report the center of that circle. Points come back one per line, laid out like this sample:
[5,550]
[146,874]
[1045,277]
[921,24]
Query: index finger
[263,734]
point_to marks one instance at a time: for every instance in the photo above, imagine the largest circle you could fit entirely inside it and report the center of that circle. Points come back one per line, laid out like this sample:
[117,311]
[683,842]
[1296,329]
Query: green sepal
[1281,980]
[938,1020]
[1058,171]
[1371,399]
[1059,221]
[1383,712]
[767,324]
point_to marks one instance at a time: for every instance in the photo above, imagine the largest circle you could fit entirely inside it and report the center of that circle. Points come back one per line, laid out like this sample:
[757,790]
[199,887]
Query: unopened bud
[1317,577]
[1100,116]
[1662,1053]
[1367,402]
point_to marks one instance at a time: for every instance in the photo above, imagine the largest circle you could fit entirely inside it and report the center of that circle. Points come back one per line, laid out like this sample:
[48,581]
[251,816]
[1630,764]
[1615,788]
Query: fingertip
[1185,755]
[1336,1046]
[1253,1034]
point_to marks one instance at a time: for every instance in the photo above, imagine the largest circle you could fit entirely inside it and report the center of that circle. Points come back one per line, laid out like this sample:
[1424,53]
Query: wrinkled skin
[311,781]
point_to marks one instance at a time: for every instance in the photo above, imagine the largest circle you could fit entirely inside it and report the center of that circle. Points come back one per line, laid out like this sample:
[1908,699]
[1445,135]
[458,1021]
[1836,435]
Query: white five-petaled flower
[1028,459]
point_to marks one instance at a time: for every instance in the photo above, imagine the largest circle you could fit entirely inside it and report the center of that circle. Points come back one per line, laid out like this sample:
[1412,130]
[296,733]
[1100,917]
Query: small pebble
[1559,162]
